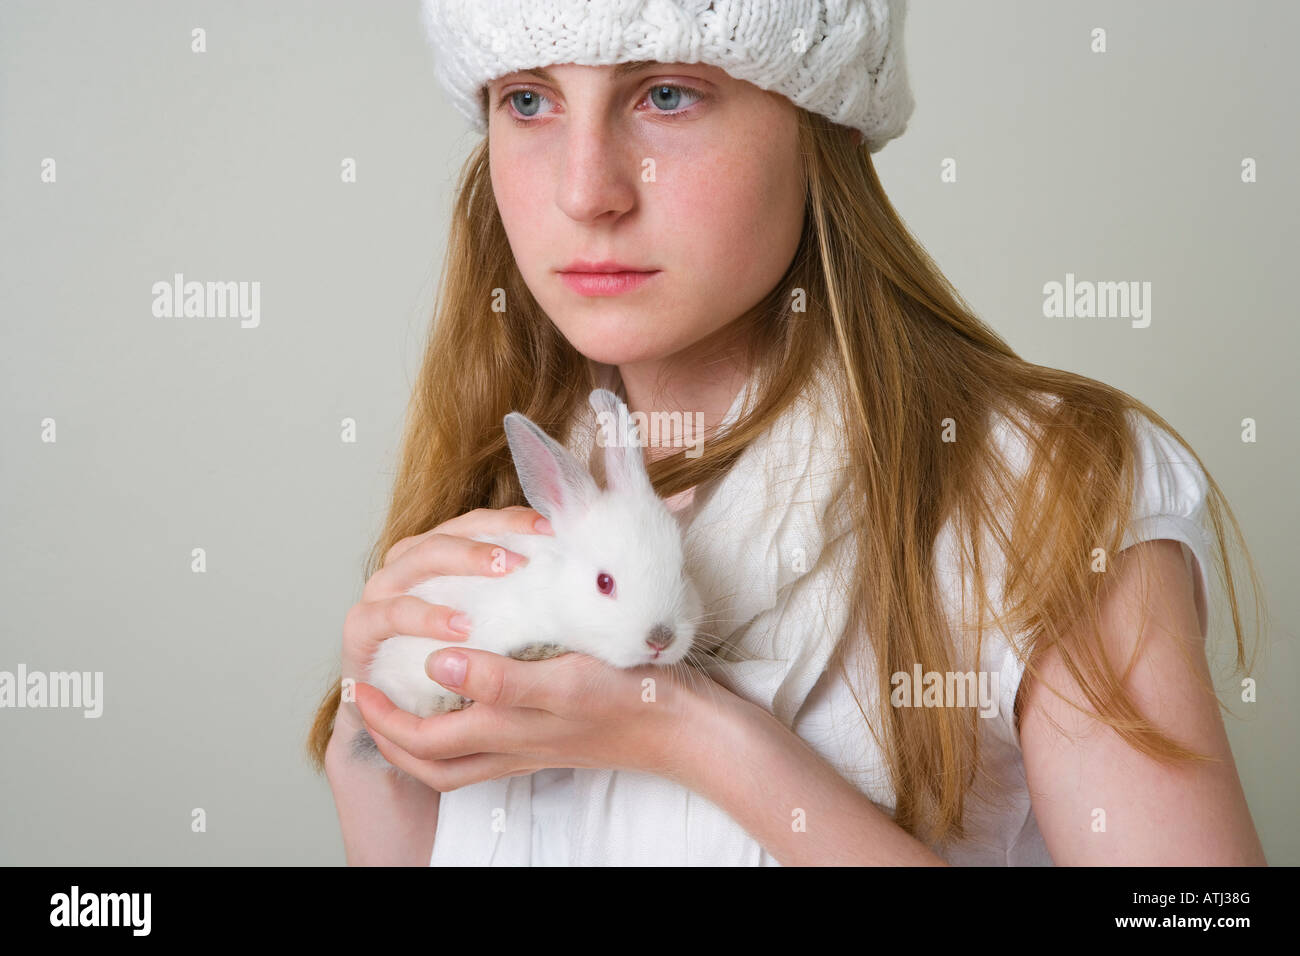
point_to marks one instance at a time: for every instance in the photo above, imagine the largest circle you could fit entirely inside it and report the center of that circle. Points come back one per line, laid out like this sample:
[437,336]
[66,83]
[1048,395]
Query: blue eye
[531,97]
[667,97]
[673,94]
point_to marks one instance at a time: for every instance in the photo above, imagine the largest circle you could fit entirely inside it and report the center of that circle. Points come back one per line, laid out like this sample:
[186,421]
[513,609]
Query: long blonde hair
[909,354]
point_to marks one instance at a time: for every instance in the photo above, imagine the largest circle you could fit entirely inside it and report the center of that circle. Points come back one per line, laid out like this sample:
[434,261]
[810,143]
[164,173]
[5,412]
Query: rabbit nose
[661,635]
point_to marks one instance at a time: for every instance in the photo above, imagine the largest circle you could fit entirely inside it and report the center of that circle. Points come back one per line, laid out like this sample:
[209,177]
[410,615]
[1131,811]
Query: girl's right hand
[385,609]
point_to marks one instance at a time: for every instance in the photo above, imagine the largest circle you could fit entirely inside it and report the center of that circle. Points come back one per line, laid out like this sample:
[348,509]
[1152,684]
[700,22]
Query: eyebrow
[620,70]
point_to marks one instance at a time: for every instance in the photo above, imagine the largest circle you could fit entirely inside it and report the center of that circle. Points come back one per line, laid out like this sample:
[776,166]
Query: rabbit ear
[553,480]
[617,434]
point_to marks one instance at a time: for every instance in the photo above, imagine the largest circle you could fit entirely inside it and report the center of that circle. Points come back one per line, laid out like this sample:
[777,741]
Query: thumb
[448,668]
[477,675]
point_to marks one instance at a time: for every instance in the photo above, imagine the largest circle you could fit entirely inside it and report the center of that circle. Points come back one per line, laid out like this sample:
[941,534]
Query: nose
[661,635]
[598,176]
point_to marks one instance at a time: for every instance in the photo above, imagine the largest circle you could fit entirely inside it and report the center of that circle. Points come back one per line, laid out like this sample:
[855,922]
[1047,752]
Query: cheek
[520,202]
[736,219]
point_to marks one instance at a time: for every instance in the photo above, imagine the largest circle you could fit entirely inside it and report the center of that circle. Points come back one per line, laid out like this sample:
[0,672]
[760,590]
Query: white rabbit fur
[553,604]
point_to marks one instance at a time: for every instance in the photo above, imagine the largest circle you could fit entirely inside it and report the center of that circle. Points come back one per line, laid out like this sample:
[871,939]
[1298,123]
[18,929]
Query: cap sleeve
[1169,501]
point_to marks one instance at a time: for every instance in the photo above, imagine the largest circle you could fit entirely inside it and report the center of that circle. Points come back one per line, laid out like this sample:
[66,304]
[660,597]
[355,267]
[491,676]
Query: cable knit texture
[840,58]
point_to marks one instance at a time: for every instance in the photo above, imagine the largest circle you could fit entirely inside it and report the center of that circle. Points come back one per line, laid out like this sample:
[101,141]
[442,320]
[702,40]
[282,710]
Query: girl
[891,506]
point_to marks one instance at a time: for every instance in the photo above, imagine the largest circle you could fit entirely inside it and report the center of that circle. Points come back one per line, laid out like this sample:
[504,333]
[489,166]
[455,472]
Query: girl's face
[698,183]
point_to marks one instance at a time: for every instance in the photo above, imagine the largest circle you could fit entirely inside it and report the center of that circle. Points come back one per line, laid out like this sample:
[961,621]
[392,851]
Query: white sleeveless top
[603,817]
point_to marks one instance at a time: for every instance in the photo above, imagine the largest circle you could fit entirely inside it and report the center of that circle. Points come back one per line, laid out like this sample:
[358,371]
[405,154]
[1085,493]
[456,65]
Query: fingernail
[459,622]
[503,560]
[449,669]
[544,526]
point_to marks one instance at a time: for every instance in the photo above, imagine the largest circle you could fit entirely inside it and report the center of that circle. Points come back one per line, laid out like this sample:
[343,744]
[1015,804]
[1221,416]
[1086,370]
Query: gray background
[183,433]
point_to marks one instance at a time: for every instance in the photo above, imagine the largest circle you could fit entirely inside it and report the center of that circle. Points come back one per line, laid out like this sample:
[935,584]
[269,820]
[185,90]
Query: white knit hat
[840,58]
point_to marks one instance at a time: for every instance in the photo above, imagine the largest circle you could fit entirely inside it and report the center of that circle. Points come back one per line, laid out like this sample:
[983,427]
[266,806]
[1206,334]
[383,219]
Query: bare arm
[766,778]
[1194,814]
[386,819]
[1190,814]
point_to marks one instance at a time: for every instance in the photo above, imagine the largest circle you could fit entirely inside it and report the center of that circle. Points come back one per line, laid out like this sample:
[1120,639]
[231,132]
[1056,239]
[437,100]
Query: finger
[556,684]
[462,771]
[406,544]
[439,554]
[538,523]
[457,733]
[370,623]
[380,715]
[421,770]
[519,518]
[455,772]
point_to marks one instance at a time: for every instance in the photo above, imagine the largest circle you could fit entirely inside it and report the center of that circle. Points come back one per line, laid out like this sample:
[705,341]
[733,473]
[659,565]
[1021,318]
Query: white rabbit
[610,582]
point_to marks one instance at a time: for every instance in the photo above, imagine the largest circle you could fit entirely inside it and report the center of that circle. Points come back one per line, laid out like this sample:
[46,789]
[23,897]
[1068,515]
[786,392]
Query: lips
[604,265]
[605,277]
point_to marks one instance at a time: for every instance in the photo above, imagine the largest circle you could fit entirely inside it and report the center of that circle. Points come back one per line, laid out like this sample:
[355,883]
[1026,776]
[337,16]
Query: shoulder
[1171,489]
[1168,508]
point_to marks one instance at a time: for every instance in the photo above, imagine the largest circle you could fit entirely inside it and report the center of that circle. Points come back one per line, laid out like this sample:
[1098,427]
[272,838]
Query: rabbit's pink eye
[604,583]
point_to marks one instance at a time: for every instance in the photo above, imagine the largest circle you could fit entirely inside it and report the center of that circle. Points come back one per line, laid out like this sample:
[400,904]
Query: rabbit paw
[446,703]
[365,749]
[538,652]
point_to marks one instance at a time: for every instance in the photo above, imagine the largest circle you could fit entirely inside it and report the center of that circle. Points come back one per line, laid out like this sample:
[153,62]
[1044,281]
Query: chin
[611,344]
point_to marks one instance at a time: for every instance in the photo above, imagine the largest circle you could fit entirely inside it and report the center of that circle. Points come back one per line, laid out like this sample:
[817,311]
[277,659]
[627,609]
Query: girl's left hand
[569,711]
